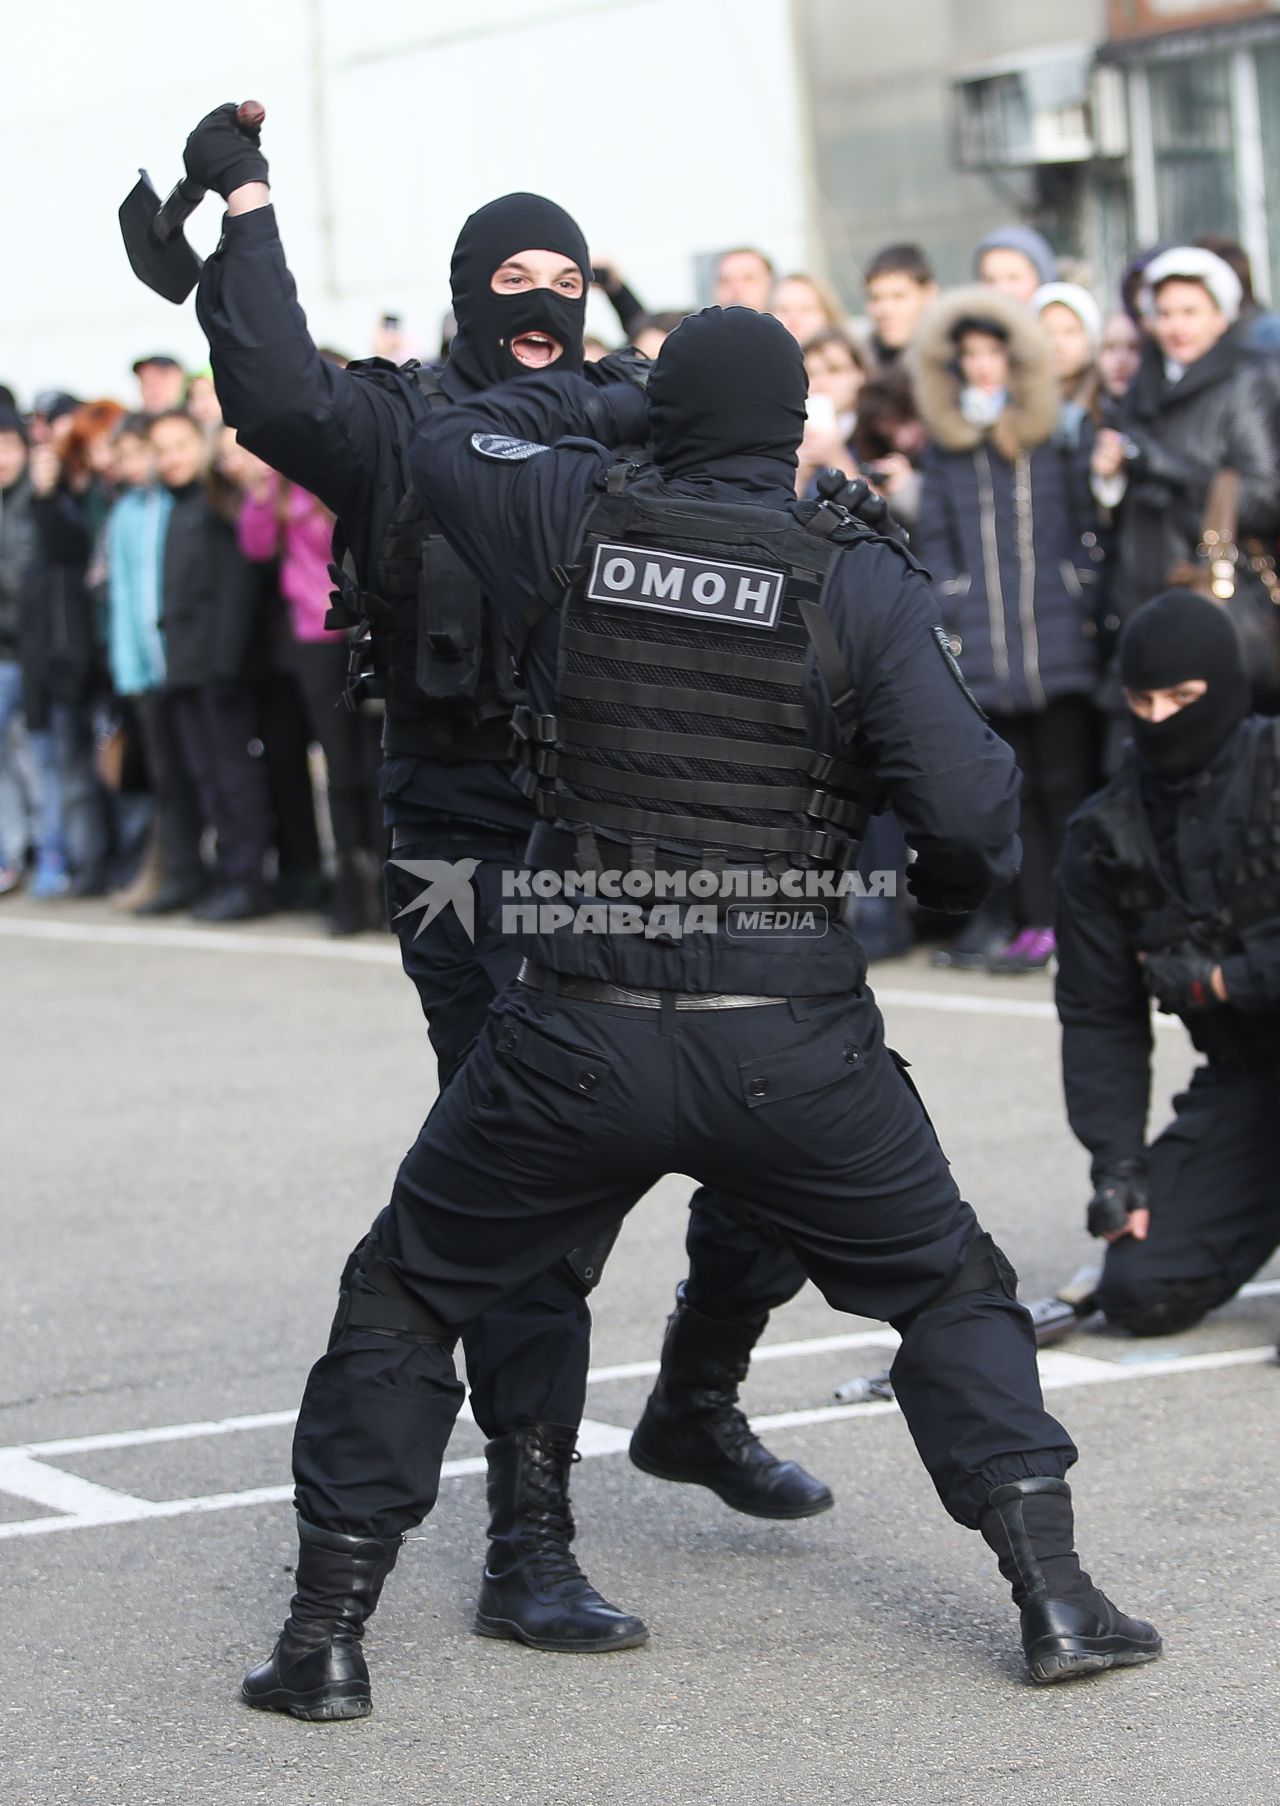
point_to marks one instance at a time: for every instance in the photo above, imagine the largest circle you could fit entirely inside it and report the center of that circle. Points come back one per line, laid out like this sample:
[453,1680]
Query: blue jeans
[49,836]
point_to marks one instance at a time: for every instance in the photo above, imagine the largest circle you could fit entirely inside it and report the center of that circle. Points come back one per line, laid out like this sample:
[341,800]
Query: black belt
[459,836]
[595,990]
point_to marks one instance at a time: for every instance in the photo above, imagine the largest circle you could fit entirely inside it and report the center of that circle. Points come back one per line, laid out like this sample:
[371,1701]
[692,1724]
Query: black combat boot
[692,1429]
[533,1590]
[317,1669]
[1069,1628]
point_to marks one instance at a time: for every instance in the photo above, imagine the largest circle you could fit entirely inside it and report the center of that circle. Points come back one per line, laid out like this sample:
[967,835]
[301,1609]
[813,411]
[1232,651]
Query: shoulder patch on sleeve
[503,450]
[947,648]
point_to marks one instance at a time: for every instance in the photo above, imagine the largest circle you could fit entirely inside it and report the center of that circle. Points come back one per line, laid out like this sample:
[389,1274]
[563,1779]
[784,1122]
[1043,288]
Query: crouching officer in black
[1169,891]
[519,277]
[716,693]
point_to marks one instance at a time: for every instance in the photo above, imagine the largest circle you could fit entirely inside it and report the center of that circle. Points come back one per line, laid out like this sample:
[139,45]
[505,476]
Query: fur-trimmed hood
[1032,409]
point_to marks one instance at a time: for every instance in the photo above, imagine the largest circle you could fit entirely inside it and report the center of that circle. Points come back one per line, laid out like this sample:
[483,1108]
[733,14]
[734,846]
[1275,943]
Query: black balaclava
[487,322]
[1173,638]
[728,383]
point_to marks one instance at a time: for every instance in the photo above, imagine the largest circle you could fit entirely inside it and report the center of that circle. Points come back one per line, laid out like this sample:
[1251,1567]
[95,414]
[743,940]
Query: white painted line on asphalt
[169,1432]
[771,1351]
[26,1478]
[200,940]
[89,1506]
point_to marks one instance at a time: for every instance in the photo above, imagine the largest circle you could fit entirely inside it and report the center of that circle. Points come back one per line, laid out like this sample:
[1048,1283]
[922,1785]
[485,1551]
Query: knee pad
[984,1267]
[374,1299]
[1158,1310]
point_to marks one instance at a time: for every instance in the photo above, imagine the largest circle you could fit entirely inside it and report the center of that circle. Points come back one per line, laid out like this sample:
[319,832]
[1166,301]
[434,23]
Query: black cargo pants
[564,1115]
[527,1355]
[1215,1206]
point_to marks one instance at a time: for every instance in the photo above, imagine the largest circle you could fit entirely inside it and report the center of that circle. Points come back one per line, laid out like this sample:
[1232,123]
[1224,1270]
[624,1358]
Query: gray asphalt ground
[192,1139]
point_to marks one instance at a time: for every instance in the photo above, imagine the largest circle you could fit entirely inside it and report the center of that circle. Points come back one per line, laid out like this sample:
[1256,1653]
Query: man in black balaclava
[1184,682]
[508,321]
[1169,892]
[717,676]
[701,413]
[520,275]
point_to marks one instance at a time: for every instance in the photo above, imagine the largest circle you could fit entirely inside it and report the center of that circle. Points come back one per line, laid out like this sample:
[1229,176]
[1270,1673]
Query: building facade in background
[1108,125]
[817,129]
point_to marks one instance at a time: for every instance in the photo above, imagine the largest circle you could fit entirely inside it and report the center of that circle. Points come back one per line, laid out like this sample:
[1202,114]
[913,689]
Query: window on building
[1268,67]
[1192,138]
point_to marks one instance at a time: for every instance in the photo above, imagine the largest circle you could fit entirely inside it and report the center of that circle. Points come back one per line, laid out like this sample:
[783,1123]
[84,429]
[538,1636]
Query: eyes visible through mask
[1159,705]
[537,269]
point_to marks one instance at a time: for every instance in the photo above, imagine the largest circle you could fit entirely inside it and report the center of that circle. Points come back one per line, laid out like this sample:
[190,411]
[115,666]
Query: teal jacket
[136,530]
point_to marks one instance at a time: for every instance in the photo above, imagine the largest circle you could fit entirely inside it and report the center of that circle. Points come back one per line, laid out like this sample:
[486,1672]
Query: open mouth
[535,350]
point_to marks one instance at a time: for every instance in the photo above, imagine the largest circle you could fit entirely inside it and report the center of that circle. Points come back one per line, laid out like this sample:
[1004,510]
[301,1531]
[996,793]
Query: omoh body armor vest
[1120,845]
[426,641]
[682,734]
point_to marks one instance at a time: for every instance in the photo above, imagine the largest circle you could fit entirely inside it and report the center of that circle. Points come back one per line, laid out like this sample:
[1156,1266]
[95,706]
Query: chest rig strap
[1120,845]
[424,639]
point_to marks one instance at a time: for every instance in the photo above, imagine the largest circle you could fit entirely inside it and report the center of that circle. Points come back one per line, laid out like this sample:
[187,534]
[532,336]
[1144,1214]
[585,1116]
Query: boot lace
[550,1519]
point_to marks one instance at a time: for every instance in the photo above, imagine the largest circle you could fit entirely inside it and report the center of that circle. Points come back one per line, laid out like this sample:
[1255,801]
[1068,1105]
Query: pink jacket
[302,540]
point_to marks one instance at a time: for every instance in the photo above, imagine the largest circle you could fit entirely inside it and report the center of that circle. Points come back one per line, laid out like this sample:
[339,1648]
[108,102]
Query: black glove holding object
[1120,1189]
[223,155]
[949,878]
[1181,981]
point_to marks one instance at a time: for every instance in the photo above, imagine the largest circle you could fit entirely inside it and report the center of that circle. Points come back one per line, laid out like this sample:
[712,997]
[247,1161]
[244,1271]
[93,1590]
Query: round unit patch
[503,450]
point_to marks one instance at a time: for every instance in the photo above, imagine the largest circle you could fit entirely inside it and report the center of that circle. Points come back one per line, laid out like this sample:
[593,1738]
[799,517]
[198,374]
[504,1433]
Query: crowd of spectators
[171,724]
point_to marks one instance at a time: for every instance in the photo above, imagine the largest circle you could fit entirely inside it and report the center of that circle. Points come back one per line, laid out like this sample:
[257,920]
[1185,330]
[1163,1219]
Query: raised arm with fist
[223,154]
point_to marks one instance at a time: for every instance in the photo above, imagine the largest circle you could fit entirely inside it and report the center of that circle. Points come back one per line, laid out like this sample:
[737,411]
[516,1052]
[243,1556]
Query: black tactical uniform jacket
[516,511]
[342,434]
[1216,841]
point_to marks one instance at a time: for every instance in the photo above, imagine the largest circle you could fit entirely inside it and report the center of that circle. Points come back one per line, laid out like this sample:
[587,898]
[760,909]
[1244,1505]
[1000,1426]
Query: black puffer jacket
[61,660]
[1220,415]
[210,597]
[1006,525]
[19,544]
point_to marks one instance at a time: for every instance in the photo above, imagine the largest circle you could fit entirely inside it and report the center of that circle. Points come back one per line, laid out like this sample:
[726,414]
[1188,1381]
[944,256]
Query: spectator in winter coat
[278,519]
[900,288]
[1119,349]
[836,374]
[1200,403]
[1015,259]
[137,528]
[807,307]
[19,544]
[1001,526]
[889,442]
[1073,321]
[208,617]
[64,652]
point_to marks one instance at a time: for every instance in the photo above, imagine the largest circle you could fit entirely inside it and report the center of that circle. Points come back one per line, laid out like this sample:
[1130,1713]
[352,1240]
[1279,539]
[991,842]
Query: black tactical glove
[1181,981]
[1121,1189]
[948,878]
[222,155]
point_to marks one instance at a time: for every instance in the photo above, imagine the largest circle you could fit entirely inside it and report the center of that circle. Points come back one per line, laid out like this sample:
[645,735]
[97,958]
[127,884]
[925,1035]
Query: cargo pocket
[536,1095]
[803,1093]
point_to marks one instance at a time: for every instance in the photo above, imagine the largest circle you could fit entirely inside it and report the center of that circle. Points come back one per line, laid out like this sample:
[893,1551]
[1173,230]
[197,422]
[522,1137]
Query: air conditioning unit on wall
[1029,109]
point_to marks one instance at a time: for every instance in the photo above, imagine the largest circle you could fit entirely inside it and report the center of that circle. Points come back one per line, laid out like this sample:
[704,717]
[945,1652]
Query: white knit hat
[1193,264]
[1079,300]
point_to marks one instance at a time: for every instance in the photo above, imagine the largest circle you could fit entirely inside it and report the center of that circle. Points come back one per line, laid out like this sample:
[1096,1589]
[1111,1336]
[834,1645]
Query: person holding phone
[836,370]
